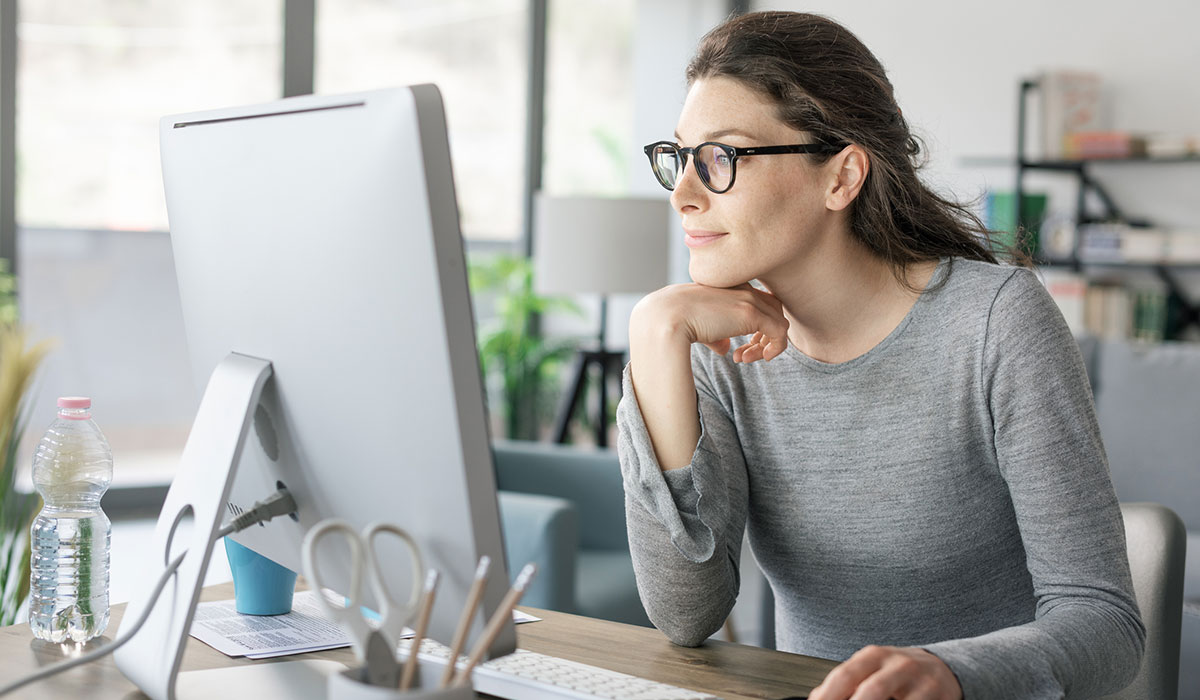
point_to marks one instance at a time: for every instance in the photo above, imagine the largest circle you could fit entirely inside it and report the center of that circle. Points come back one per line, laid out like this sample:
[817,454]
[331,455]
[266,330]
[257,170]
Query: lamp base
[610,363]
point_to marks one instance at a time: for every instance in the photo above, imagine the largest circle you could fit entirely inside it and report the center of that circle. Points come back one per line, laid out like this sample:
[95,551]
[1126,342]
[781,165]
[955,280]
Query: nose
[689,195]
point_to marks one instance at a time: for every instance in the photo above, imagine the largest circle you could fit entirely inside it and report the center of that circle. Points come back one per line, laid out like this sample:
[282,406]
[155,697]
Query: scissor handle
[349,616]
[394,616]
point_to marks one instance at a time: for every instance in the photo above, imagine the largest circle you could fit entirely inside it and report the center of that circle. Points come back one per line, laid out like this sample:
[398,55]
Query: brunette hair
[826,82]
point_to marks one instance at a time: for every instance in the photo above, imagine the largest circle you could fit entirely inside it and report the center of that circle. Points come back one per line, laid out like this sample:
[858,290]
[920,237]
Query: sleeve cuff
[671,497]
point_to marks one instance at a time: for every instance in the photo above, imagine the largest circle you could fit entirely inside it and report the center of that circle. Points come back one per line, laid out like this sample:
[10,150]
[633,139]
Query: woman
[903,425]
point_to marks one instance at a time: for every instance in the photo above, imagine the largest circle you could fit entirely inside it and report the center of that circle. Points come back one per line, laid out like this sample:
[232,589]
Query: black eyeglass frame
[734,153]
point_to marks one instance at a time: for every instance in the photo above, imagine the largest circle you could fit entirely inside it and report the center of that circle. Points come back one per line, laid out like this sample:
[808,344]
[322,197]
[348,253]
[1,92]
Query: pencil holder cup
[260,586]
[351,684]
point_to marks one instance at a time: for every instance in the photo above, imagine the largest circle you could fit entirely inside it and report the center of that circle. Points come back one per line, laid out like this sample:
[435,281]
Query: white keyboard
[528,675]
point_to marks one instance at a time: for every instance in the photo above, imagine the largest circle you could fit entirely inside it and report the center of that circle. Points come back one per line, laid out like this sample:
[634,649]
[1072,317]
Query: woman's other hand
[889,673]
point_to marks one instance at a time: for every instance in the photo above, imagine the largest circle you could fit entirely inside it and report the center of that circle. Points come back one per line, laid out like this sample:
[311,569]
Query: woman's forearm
[661,370]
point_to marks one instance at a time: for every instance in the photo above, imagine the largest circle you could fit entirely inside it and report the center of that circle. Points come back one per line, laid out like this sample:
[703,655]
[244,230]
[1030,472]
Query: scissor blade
[382,668]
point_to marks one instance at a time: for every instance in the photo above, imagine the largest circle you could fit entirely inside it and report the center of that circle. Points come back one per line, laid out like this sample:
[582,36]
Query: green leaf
[523,362]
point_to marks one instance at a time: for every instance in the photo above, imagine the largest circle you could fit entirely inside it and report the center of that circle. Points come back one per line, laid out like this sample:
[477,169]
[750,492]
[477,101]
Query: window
[96,274]
[94,78]
[589,97]
[476,53]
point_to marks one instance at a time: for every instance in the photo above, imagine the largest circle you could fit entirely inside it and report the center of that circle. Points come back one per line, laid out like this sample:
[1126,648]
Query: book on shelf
[1069,291]
[1107,310]
[1087,145]
[1071,102]
[1172,145]
[1122,243]
[1118,242]
[1183,246]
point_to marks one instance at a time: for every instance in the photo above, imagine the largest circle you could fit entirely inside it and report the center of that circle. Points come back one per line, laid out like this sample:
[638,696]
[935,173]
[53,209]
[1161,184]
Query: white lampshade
[600,246]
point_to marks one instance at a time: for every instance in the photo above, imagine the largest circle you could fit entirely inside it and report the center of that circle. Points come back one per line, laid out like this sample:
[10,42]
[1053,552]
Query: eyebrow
[721,132]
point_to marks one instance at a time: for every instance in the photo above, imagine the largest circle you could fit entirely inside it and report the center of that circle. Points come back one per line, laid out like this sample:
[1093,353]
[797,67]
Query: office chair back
[1156,540]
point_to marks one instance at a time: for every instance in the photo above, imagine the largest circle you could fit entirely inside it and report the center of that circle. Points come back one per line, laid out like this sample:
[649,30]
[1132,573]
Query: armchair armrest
[588,478]
[543,530]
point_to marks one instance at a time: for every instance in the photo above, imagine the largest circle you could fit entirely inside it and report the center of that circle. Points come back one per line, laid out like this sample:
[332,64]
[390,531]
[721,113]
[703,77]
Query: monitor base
[293,680]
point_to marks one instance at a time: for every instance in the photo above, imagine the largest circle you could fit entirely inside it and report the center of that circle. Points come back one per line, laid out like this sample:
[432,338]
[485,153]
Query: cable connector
[278,503]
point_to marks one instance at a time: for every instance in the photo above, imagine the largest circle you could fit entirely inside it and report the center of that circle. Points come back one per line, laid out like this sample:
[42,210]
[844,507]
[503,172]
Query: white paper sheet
[305,628]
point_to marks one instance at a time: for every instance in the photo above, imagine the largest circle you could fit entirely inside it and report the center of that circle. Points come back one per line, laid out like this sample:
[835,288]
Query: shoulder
[970,289]
[1023,308]
[1022,319]
[976,278]
[978,304]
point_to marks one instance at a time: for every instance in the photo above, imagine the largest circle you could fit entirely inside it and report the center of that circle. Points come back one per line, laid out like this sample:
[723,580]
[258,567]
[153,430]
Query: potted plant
[512,349]
[18,363]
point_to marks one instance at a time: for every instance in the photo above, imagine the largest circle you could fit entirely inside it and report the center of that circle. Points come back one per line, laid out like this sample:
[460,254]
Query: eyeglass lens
[713,164]
[667,165]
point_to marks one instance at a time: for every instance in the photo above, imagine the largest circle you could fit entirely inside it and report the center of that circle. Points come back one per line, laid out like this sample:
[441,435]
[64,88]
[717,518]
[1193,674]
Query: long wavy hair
[825,81]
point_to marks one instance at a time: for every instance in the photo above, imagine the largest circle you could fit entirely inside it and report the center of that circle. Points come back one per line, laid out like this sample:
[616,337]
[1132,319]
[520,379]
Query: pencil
[464,622]
[494,625]
[410,666]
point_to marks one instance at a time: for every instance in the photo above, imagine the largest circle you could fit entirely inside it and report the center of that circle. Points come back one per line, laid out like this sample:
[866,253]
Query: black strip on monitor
[201,122]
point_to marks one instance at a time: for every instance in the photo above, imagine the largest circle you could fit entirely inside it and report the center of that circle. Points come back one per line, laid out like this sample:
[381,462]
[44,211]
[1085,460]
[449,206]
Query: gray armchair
[543,530]
[600,583]
[1154,536]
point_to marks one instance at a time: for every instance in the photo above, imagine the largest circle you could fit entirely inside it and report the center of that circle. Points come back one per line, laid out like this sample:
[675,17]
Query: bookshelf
[1185,311]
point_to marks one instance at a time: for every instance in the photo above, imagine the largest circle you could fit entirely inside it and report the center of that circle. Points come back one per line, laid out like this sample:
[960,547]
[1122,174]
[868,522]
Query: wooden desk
[731,671]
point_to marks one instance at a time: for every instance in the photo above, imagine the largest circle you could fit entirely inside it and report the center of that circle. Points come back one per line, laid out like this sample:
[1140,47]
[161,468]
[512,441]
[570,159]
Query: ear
[848,171]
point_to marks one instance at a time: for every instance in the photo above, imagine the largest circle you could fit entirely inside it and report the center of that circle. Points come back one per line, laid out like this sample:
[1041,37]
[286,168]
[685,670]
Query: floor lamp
[589,245]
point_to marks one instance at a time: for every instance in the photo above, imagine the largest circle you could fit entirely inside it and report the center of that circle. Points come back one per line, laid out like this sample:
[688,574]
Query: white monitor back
[321,233]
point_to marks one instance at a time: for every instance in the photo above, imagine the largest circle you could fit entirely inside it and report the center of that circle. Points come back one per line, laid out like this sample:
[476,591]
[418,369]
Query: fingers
[760,347]
[843,680]
[881,673]
[712,316]
[763,311]
[770,338]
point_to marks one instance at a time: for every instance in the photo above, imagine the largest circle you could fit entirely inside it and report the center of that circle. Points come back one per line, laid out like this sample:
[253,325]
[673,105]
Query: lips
[697,239]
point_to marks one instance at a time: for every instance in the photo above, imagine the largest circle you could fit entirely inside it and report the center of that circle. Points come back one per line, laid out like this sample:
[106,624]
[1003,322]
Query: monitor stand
[294,680]
[189,521]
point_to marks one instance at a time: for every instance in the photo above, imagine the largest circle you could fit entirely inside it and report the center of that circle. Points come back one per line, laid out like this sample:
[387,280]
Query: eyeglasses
[715,163]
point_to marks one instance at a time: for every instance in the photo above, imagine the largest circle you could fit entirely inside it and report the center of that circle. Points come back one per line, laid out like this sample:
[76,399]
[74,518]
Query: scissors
[375,647]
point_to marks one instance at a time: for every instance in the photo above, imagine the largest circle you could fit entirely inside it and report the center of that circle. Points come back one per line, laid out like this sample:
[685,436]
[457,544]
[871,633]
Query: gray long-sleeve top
[947,490]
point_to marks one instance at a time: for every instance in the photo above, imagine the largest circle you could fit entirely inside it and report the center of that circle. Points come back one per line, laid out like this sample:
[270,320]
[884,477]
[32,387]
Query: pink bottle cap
[74,402]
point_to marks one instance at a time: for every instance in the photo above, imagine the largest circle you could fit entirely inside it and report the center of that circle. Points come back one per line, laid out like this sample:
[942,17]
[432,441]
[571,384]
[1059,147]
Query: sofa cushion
[543,530]
[603,588]
[588,477]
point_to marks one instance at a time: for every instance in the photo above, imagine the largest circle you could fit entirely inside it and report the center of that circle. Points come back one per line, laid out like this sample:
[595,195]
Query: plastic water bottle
[72,469]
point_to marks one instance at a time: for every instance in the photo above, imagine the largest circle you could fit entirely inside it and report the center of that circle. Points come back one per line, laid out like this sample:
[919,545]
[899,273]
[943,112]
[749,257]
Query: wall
[956,67]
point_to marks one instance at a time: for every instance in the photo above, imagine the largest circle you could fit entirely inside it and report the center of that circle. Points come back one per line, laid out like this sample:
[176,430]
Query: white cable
[278,503]
[103,651]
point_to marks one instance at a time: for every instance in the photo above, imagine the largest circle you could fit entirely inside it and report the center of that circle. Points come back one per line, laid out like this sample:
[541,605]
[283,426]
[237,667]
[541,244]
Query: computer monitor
[321,235]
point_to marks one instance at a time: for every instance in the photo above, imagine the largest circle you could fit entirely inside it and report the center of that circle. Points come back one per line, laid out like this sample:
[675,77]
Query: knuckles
[907,666]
